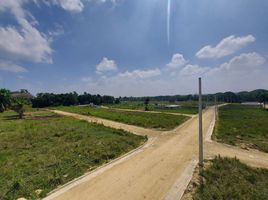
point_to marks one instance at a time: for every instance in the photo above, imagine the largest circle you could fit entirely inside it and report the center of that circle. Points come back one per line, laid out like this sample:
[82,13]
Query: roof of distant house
[172,106]
[251,103]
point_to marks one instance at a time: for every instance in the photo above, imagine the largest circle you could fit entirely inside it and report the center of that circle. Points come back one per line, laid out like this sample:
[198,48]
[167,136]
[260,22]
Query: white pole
[200,125]
[215,107]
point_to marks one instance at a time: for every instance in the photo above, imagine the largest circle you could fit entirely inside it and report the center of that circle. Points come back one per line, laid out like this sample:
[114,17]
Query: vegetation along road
[244,126]
[44,150]
[160,121]
[159,170]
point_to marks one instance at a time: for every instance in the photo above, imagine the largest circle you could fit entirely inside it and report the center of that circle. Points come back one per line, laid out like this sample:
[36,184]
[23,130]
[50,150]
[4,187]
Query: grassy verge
[183,110]
[147,120]
[243,126]
[228,178]
[190,107]
[133,105]
[45,150]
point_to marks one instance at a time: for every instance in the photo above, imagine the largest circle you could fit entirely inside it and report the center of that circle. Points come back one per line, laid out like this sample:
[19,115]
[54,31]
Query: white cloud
[106,65]
[193,70]
[86,79]
[11,67]
[226,47]
[69,5]
[244,62]
[244,72]
[143,74]
[24,42]
[177,61]
[104,1]
[74,6]
[56,32]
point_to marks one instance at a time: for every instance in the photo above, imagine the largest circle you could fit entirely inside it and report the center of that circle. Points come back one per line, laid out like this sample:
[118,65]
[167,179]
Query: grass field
[45,150]
[243,125]
[148,120]
[183,110]
[187,107]
[133,105]
[228,178]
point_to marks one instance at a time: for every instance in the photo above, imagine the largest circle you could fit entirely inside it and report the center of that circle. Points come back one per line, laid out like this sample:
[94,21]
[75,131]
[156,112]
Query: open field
[187,107]
[45,150]
[134,105]
[150,173]
[228,178]
[243,126]
[168,160]
[148,120]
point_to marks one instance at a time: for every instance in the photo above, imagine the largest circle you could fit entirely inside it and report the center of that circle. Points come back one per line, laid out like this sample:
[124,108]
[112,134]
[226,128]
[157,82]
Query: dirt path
[109,123]
[149,174]
[251,157]
[130,110]
[161,169]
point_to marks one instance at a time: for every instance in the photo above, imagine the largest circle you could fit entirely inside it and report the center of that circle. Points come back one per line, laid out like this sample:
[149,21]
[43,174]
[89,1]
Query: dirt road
[109,123]
[170,113]
[150,174]
[251,157]
[161,169]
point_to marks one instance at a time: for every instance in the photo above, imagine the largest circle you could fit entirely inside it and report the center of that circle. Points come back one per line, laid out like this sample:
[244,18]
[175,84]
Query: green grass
[239,124]
[148,120]
[183,110]
[46,150]
[230,179]
[133,105]
[187,107]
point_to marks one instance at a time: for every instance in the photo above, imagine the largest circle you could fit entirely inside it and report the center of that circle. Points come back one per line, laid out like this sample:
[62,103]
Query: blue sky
[121,47]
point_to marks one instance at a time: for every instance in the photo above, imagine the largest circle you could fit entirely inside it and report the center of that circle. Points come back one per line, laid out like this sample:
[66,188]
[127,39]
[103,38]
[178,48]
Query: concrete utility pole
[200,125]
[216,109]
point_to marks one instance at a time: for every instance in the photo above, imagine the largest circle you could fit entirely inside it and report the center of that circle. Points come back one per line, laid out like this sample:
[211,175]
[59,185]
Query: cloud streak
[168,21]
[142,74]
[227,46]
[11,67]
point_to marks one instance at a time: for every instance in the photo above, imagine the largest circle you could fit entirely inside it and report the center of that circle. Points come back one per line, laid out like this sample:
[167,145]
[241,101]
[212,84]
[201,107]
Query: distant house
[88,105]
[161,106]
[172,106]
[22,94]
[252,103]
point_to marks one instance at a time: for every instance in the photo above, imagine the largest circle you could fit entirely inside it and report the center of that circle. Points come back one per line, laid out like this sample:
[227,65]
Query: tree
[108,99]
[261,98]
[2,108]
[18,106]
[117,101]
[5,99]
[146,103]
[264,101]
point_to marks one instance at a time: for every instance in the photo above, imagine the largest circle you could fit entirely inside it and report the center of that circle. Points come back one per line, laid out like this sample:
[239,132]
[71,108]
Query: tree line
[68,99]
[7,98]
[259,95]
